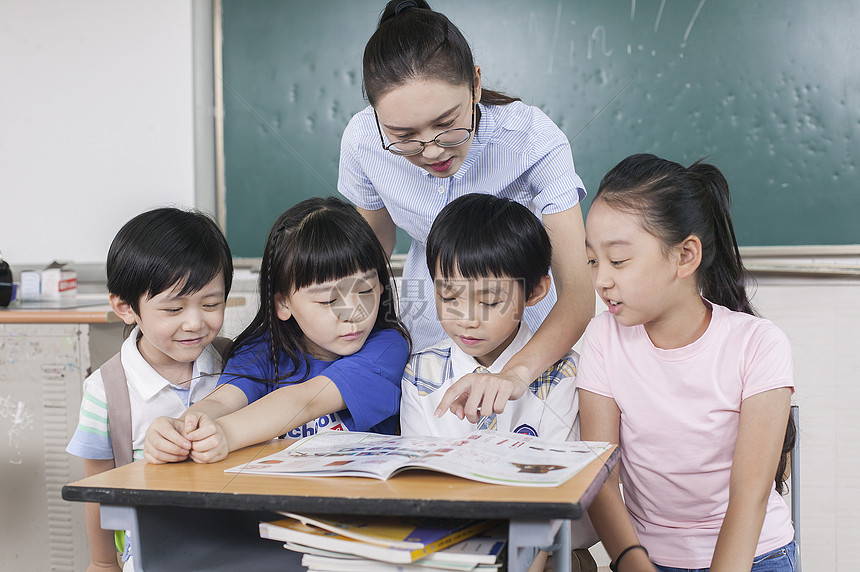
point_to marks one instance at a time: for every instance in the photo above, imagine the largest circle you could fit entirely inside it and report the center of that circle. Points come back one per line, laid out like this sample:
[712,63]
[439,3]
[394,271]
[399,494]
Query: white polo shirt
[548,409]
[150,396]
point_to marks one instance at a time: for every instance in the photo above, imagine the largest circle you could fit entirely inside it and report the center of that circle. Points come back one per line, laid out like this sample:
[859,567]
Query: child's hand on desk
[208,440]
[166,441]
[478,395]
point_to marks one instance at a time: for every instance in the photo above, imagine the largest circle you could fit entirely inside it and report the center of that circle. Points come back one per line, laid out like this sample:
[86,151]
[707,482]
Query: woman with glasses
[432,134]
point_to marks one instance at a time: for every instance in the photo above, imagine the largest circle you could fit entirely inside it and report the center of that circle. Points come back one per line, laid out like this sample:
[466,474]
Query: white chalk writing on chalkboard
[659,15]
[599,32]
[597,42]
[693,20]
[554,36]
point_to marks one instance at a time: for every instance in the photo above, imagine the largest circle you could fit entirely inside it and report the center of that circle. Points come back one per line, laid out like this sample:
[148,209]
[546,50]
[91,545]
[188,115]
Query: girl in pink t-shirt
[680,372]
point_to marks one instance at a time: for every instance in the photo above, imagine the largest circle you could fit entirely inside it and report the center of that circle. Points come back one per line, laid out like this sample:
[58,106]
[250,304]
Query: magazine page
[486,456]
[510,459]
[344,454]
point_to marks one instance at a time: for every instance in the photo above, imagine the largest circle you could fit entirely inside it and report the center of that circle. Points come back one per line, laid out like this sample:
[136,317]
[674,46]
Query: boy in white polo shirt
[490,258]
[169,272]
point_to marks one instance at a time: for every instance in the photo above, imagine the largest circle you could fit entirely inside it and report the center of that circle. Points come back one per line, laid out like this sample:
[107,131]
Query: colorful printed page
[485,456]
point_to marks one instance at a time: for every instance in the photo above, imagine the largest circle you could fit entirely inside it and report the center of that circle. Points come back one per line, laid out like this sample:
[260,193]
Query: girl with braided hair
[324,351]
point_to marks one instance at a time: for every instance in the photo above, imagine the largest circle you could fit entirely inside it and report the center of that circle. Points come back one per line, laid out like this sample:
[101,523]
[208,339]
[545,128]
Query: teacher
[432,134]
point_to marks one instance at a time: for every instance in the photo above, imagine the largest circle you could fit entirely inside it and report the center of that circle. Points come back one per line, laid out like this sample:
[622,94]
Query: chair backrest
[794,491]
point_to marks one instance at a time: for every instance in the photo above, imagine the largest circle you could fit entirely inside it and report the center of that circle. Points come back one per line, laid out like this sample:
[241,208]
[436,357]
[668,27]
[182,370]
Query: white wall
[96,122]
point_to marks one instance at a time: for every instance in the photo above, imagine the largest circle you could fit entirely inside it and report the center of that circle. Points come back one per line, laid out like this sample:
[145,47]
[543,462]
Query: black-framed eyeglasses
[449,138]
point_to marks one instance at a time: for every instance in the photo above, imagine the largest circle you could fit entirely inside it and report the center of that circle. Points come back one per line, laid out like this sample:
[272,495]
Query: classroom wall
[97,122]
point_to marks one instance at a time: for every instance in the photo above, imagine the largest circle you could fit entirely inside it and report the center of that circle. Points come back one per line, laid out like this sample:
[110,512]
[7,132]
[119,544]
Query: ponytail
[491,97]
[782,469]
[412,41]
[722,279]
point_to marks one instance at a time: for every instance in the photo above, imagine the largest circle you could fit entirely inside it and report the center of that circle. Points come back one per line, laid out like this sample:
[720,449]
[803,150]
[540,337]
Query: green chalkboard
[768,91]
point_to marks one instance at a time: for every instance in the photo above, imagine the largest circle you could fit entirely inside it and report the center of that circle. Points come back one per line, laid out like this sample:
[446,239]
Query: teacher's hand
[477,395]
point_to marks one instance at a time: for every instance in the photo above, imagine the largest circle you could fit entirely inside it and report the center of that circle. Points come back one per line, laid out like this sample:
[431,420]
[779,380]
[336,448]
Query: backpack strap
[119,404]
[222,346]
[119,410]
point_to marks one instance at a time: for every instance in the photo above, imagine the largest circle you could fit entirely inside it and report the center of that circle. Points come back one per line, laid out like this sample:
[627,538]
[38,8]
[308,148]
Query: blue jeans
[779,560]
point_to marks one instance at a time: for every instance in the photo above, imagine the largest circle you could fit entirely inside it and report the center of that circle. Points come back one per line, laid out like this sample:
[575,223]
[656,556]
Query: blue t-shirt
[368,381]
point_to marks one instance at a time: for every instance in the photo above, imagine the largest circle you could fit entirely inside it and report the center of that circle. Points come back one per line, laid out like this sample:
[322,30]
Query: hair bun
[397,7]
[404,5]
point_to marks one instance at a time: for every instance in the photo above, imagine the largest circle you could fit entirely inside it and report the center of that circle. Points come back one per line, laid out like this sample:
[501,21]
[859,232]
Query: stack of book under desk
[380,544]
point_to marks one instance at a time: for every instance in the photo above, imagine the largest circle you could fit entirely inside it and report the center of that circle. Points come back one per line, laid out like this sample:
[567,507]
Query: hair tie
[405,5]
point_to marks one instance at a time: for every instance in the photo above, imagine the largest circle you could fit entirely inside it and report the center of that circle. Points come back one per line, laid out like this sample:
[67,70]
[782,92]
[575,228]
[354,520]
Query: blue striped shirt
[517,153]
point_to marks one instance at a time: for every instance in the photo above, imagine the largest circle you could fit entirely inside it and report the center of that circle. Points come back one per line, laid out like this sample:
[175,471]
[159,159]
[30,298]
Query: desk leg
[561,555]
[122,518]
[524,536]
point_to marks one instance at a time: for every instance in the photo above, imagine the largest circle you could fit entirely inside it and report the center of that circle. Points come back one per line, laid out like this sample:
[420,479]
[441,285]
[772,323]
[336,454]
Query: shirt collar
[145,379]
[462,363]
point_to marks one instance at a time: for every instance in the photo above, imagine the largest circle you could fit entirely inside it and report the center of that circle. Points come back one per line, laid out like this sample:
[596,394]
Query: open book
[485,456]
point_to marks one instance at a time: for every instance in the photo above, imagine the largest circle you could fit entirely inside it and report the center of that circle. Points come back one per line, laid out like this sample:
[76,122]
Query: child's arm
[756,456]
[367,383]
[167,438]
[103,555]
[600,420]
[561,329]
[274,414]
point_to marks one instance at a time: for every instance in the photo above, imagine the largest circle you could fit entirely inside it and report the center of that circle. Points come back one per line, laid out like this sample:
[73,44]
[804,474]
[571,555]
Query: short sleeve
[767,361]
[591,375]
[552,177]
[91,439]
[250,364]
[560,419]
[369,380]
[352,182]
[413,419]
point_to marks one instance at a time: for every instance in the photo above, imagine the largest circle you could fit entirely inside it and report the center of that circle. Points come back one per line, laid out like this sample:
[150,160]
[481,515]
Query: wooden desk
[187,516]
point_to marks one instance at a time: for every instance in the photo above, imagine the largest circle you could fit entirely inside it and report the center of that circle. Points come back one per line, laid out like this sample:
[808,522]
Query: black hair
[317,240]
[163,247]
[412,41]
[673,203]
[484,235]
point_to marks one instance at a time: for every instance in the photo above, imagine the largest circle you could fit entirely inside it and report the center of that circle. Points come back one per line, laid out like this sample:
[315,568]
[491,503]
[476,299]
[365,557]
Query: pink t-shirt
[680,411]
